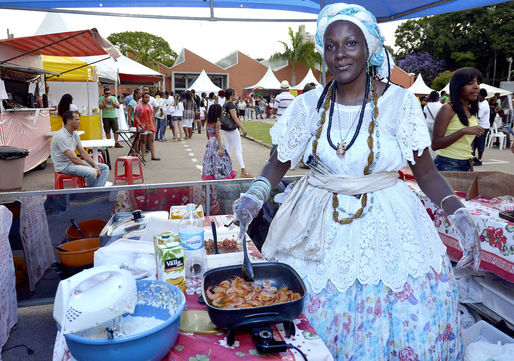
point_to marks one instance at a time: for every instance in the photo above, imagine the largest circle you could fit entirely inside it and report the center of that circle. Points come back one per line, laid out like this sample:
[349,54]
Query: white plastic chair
[495,133]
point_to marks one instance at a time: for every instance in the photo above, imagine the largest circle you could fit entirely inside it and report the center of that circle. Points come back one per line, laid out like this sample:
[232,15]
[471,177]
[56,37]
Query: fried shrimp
[238,293]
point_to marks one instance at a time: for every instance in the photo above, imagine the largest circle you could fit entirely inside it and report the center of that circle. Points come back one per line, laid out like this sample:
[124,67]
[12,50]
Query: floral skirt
[371,322]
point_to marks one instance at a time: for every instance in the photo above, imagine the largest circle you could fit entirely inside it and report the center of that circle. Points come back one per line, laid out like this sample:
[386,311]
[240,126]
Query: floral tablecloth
[496,234]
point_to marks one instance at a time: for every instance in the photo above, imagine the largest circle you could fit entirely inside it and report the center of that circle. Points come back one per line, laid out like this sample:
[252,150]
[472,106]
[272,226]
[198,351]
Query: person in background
[160,117]
[232,137]
[129,95]
[144,120]
[502,127]
[379,284]
[210,101]
[483,121]
[431,109]
[216,160]
[423,101]
[63,147]
[168,98]
[108,104]
[281,103]
[65,104]
[131,107]
[203,109]
[52,103]
[221,97]
[241,109]
[177,113]
[456,124]
[282,100]
[189,114]
[258,112]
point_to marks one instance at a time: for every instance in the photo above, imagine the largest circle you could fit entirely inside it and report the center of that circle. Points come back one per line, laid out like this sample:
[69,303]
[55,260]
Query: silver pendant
[341,149]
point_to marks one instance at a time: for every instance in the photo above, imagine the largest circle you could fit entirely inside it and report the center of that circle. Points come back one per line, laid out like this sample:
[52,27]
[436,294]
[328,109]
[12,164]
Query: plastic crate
[482,329]
[498,296]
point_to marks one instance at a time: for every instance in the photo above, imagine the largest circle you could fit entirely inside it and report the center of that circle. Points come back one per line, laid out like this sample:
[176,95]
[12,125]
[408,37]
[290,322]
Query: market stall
[24,122]
[26,88]
[81,81]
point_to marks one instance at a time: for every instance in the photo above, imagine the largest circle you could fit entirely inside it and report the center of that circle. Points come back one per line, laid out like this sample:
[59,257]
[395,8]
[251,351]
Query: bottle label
[191,241]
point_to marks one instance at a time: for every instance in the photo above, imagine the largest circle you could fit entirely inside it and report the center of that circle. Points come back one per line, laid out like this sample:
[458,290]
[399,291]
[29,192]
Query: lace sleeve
[412,128]
[295,128]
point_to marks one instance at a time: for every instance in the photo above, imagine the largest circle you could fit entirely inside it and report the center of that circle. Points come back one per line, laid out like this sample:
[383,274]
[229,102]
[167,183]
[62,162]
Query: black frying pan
[279,274]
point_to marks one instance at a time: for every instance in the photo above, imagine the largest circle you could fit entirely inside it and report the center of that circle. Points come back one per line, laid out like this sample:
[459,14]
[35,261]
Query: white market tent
[419,86]
[491,90]
[309,78]
[204,84]
[268,81]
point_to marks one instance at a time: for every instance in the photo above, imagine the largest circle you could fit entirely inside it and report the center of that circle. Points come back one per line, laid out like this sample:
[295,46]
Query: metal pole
[510,66]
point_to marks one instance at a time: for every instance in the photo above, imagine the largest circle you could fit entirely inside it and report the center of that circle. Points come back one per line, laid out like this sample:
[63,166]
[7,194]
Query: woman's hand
[221,153]
[244,132]
[245,208]
[474,130]
[469,240]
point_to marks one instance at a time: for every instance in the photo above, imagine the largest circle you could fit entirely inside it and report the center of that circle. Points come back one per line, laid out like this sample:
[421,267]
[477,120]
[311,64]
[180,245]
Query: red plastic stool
[61,178]
[128,176]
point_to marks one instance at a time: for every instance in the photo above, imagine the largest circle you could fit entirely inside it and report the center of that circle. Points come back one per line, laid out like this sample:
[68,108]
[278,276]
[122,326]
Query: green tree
[481,38]
[149,49]
[300,51]
[441,80]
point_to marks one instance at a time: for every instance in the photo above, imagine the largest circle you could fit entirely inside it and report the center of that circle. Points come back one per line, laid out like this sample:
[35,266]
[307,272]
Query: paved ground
[181,162]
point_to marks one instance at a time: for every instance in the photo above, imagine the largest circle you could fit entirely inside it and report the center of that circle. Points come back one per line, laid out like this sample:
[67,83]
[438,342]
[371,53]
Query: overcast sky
[210,40]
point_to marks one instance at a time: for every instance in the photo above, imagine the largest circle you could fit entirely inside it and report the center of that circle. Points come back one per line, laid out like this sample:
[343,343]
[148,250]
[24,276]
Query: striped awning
[72,43]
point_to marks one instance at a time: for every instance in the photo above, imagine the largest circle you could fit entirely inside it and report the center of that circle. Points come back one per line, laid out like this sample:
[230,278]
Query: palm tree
[300,51]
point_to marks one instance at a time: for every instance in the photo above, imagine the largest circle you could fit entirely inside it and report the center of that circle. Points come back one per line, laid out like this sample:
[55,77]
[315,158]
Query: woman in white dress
[380,285]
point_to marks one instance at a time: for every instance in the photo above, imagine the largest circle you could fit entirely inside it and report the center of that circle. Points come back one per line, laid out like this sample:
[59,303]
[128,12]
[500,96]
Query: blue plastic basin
[151,345]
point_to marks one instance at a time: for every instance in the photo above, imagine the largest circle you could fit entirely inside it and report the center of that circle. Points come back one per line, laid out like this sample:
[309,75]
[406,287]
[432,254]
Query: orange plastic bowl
[81,252]
[91,229]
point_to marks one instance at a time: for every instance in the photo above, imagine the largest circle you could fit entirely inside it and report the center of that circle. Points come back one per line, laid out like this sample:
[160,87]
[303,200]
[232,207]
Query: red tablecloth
[496,234]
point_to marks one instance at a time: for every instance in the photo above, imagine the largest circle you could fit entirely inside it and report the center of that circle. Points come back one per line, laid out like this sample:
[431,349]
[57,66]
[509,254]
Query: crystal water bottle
[191,238]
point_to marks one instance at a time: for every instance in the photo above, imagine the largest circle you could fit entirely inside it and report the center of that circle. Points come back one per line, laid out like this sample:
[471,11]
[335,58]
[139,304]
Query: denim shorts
[175,118]
[450,164]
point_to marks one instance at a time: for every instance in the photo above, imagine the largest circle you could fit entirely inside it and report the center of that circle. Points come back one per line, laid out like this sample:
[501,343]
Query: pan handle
[259,319]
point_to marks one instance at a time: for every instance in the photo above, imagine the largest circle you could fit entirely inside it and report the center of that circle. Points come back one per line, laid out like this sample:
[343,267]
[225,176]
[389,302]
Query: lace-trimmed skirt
[371,322]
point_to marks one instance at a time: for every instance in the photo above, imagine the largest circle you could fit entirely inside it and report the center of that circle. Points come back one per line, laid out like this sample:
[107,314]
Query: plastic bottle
[191,238]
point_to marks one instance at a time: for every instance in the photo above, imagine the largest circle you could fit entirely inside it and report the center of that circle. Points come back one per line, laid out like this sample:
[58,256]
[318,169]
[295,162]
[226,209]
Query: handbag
[227,123]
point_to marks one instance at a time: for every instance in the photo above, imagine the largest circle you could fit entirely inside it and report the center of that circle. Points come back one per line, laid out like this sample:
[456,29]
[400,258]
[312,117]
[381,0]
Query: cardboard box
[171,264]
[488,184]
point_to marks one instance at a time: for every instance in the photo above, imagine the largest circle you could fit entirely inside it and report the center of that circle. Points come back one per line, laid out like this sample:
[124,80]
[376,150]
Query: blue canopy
[384,10]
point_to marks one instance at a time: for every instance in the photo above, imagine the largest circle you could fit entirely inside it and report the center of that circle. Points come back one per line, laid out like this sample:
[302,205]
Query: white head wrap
[379,60]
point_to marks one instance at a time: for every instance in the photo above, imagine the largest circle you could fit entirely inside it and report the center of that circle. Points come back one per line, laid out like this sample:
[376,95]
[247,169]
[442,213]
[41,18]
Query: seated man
[62,150]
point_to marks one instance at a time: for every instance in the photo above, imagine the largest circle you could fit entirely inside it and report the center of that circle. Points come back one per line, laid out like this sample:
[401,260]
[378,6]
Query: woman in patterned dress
[216,160]
[380,285]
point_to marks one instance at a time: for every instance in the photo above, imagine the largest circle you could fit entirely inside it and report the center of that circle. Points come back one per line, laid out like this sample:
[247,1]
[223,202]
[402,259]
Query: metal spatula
[247,265]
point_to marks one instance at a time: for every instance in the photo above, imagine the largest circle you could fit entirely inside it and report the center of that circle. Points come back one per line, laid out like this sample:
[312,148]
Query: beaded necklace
[371,129]
[342,147]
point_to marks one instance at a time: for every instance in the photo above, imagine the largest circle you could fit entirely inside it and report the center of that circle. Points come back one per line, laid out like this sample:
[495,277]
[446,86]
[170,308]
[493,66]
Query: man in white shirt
[62,149]
[281,103]
[483,121]
[282,100]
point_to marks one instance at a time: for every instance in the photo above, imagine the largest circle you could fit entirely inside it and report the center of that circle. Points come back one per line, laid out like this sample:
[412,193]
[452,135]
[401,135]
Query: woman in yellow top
[455,124]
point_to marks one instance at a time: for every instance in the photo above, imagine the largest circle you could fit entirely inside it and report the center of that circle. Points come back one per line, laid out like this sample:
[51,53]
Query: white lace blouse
[396,237]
